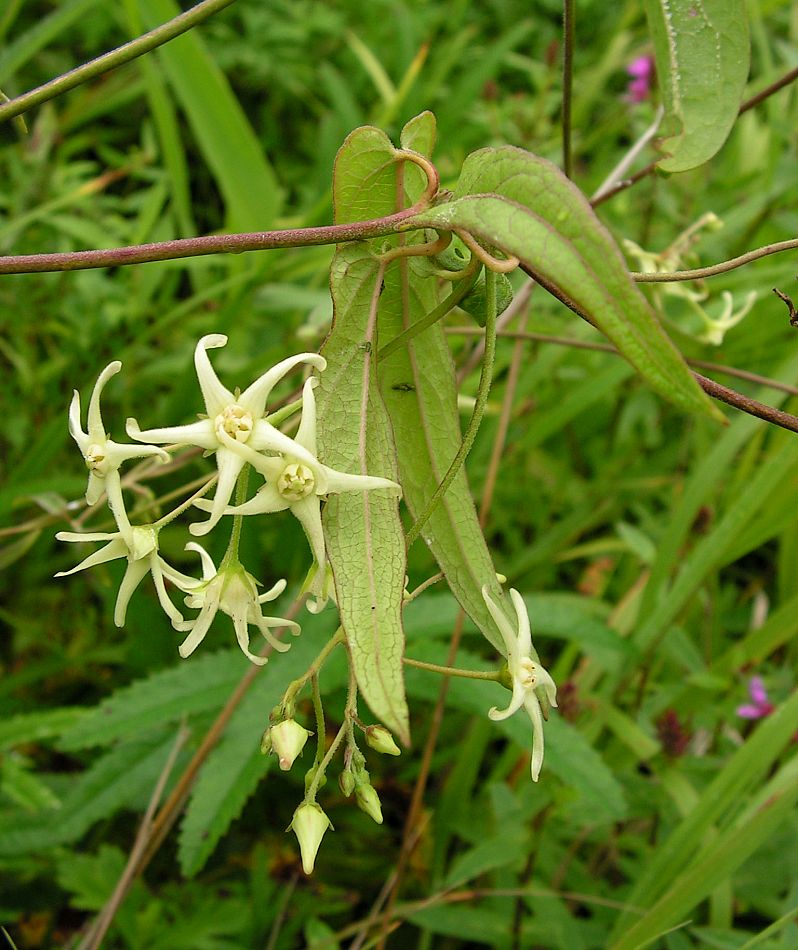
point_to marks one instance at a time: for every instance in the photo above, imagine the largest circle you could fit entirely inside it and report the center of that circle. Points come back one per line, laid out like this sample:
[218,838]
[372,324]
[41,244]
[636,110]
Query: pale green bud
[309,824]
[288,739]
[379,739]
[369,802]
[347,782]
[266,742]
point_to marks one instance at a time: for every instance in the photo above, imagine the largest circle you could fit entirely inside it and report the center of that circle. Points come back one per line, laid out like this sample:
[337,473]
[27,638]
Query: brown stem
[608,348]
[201,246]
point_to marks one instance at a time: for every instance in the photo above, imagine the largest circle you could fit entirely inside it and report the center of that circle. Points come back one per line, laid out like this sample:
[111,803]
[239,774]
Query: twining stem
[479,409]
[180,248]
[494,675]
[117,57]
[721,268]
[458,293]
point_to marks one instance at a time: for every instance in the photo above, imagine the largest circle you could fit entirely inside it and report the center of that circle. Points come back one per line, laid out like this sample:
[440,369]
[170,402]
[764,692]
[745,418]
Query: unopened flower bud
[369,802]
[347,782]
[309,824]
[288,739]
[266,742]
[379,739]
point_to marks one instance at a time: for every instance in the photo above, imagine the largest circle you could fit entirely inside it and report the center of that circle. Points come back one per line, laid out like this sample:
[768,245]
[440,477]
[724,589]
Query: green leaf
[702,53]
[223,132]
[720,800]
[363,531]
[118,779]
[35,726]
[524,205]
[198,685]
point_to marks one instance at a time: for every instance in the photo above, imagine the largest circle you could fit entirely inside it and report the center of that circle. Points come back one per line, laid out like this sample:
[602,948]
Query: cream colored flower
[140,546]
[232,421]
[526,675]
[297,480]
[103,456]
[235,592]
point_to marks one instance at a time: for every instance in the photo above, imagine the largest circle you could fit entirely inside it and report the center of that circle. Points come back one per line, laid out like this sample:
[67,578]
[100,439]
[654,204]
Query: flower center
[527,672]
[296,482]
[236,421]
[96,460]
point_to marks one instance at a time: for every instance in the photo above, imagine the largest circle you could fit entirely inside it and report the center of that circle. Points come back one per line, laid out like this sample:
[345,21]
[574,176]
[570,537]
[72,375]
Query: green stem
[431,318]
[321,732]
[296,685]
[479,408]
[494,675]
[117,57]
[284,412]
[346,730]
[231,554]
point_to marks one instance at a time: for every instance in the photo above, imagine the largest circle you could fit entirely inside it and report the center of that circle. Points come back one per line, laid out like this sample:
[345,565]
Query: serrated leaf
[33,727]
[198,685]
[119,778]
[702,52]
[524,205]
[18,783]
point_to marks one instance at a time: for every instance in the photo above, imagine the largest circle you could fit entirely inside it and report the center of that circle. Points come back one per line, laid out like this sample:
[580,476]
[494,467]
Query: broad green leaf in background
[525,206]
[363,531]
[224,135]
[702,53]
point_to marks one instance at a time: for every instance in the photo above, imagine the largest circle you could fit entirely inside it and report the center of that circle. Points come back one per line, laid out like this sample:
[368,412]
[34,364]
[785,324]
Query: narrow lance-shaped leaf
[702,53]
[525,206]
[363,531]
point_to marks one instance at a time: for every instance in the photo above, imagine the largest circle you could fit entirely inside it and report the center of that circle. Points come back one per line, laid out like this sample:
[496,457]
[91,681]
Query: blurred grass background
[658,554]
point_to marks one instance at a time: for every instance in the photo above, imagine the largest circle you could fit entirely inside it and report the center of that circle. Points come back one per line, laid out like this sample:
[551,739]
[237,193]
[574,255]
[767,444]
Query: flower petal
[757,691]
[524,635]
[745,712]
[215,395]
[208,567]
[336,482]
[533,709]
[135,573]
[516,702]
[242,635]
[195,433]
[82,438]
[306,433]
[265,437]
[95,423]
[230,465]
[199,627]
[254,396]
[113,550]
[507,632]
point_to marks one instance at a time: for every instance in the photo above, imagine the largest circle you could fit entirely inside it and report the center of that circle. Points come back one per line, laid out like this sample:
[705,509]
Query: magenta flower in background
[641,70]
[760,706]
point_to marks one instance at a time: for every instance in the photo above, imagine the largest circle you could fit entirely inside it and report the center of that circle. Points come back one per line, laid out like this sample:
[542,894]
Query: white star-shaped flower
[232,420]
[297,480]
[526,674]
[235,592]
[103,456]
[140,546]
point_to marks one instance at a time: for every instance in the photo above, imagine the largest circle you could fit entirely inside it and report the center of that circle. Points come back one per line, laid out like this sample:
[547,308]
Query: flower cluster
[236,430]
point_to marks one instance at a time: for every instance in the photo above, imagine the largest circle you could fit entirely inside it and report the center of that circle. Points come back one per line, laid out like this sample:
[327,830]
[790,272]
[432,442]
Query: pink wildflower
[760,706]
[641,70]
